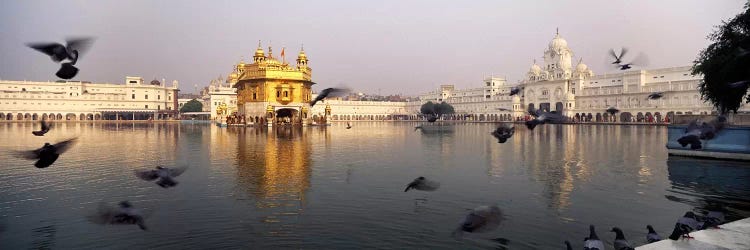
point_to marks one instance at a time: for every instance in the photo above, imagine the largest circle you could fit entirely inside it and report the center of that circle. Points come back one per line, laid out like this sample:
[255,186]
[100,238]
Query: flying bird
[515,90]
[542,118]
[48,154]
[692,135]
[684,226]
[640,60]
[593,242]
[503,132]
[652,236]
[348,125]
[620,242]
[124,214]
[45,128]
[329,92]
[618,58]
[423,184]
[165,175]
[481,219]
[71,51]
[655,95]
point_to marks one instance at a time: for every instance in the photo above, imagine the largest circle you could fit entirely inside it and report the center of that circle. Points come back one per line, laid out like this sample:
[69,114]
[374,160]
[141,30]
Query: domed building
[271,91]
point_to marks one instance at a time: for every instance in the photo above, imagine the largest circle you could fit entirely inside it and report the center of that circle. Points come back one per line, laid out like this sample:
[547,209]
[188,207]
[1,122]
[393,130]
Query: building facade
[576,92]
[76,100]
[272,91]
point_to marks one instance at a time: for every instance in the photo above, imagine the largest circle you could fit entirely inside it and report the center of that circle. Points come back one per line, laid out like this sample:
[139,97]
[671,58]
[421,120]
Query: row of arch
[48,116]
[647,117]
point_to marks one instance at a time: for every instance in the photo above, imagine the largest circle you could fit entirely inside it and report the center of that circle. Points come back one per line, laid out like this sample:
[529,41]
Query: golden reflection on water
[275,166]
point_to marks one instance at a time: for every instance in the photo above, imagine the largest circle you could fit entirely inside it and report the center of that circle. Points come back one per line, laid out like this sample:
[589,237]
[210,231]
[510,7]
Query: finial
[580,60]
[557,31]
[302,49]
[259,46]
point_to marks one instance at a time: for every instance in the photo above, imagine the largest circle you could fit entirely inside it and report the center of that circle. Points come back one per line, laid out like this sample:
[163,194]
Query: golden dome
[302,55]
[259,52]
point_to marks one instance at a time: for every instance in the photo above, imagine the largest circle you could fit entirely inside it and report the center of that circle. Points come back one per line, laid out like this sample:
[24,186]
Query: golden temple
[270,91]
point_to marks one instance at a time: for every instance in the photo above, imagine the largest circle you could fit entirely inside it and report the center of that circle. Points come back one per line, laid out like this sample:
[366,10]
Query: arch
[481,117]
[8,116]
[96,116]
[598,117]
[639,117]
[605,117]
[70,117]
[689,113]
[531,106]
[44,116]
[82,117]
[589,117]
[658,117]
[649,117]
[27,116]
[59,116]
[89,116]
[35,117]
[679,112]
[19,116]
[559,107]
[577,117]
[335,117]
[626,117]
[2,116]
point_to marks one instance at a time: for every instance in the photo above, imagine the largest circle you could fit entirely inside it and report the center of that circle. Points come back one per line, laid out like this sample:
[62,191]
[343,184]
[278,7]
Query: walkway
[733,235]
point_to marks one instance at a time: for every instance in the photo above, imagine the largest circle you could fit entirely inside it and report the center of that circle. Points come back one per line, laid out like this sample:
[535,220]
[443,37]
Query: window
[133,96]
[146,106]
[254,96]
[573,91]
[158,107]
[158,97]
[146,97]
[286,93]
[278,93]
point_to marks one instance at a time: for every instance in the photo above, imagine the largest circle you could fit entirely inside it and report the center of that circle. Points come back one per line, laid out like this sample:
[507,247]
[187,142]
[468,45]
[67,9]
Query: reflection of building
[276,165]
[76,100]
[269,90]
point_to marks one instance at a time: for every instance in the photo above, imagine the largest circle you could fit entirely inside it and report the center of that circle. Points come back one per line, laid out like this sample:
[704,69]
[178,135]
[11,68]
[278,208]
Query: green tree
[444,109]
[428,108]
[725,64]
[192,106]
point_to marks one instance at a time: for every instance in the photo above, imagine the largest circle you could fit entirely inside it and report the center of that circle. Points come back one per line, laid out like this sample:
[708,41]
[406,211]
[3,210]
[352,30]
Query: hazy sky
[405,47]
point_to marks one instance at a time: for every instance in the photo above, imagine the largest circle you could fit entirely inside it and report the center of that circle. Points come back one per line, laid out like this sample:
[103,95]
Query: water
[331,187]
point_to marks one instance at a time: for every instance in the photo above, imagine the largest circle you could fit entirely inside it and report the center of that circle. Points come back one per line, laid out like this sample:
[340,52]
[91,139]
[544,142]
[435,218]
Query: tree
[192,106]
[427,108]
[444,109]
[725,64]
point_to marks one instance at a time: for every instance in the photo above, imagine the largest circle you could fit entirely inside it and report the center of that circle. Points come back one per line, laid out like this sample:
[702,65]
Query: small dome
[582,67]
[302,55]
[155,82]
[232,76]
[535,69]
[558,43]
[259,52]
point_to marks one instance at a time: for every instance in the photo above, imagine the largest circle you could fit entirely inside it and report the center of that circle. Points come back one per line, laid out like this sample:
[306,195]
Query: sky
[387,47]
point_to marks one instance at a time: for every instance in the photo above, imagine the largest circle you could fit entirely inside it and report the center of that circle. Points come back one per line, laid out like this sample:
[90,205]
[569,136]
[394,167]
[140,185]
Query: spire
[557,31]
[259,46]
[270,50]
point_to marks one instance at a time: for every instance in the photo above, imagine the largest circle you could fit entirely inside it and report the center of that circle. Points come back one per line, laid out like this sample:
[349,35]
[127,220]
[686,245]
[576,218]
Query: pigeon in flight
[165,175]
[503,132]
[713,127]
[620,242]
[423,184]
[45,128]
[124,214]
[481,219]
[618,58]
[652,236]
[655,95]
[542,118]
[48,154]
[515,90]
[329,92]
[593,242]
[348,125]
[71,51]
[684,226]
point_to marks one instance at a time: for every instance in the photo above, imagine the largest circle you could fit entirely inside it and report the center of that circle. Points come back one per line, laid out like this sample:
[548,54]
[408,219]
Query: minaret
[302,59]
[259,54]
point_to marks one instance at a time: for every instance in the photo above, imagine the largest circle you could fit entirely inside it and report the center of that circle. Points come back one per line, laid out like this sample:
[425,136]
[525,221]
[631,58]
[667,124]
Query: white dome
[582,67]
[558,43]
[535,69]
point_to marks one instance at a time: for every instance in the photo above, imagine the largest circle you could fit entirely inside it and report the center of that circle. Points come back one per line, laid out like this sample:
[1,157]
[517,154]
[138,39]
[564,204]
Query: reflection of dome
[558,43]
[155,82]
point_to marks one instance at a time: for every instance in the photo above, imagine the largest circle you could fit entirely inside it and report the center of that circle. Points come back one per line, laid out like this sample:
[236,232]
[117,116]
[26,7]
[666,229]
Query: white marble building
[578,93]
[76,100]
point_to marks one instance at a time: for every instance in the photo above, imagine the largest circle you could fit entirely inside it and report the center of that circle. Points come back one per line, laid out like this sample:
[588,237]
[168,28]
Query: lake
[337,188]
